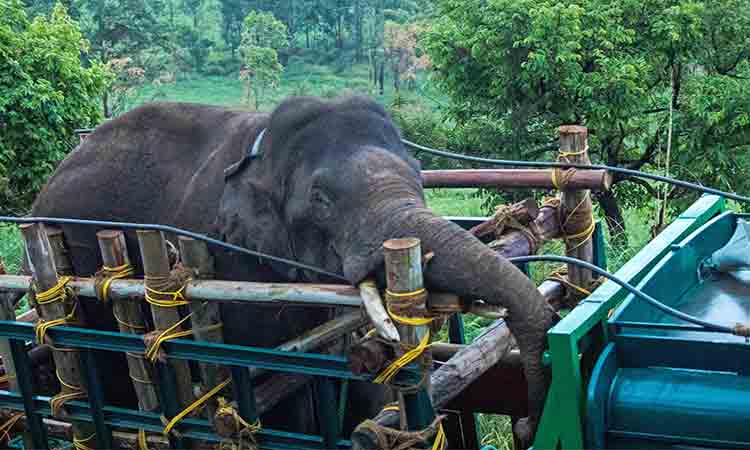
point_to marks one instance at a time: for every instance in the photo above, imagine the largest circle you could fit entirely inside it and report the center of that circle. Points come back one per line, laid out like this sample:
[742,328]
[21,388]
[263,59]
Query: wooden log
[156,267]
[379,317]
[67,362]
[494,345]
[525,212]
[206,316]
[403,267]
[573,142]
[130,319]
[546,226]
[7,312]
[273,294]
[595,180]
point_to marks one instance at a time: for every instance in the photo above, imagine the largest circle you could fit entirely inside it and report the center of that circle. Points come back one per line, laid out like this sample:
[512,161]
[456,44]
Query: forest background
[663,86]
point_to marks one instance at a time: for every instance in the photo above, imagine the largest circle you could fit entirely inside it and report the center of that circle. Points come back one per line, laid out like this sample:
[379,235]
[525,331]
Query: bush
[45,94]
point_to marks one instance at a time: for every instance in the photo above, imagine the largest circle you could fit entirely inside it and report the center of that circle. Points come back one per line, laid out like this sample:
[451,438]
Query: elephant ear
[250,217]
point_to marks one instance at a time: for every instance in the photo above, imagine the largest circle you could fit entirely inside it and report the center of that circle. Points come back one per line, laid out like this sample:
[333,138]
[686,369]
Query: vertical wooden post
[7,312]
[574,147]
[206,315]
[156,266]
[130,320]
[403,266]
[41,261]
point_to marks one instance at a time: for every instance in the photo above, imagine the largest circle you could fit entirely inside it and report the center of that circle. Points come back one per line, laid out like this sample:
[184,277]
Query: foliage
[400,45]
[45,93]
[614,66]
[262,37]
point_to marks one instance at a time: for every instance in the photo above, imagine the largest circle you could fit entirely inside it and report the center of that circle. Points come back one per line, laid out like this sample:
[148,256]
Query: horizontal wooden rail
[244,291]
[595,180]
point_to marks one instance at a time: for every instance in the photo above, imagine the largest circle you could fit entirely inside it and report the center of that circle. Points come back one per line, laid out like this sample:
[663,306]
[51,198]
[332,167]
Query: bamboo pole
[573,142]
[156,266]
[130,320]
[206,316]
[67,362]
[596,180]
[403,267]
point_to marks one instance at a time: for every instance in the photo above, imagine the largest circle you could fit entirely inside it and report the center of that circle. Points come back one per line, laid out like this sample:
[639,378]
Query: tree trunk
[381,77]
[614,218]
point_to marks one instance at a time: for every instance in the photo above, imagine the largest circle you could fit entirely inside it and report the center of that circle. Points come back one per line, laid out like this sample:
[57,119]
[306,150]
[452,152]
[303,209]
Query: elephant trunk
[465,266]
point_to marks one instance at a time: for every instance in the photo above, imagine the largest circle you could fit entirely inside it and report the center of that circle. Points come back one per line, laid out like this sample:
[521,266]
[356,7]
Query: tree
[45,94]
[400,44]
[262,37]
[618,67]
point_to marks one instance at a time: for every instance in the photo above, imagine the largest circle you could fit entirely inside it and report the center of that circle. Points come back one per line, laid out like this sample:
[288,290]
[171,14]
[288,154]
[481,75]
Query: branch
[651,190]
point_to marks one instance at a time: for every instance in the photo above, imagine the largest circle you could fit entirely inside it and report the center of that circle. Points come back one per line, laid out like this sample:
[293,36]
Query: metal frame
[576,341]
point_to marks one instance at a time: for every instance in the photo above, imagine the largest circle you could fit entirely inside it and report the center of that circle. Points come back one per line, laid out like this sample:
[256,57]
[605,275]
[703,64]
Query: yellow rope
[559,275]
[178,296]
[224,409]
[391,371]
[79,444]
[43,326]
[152,351]
[8,426]
[142,443]
[196,404]
[112,274]
[128,324]
[60,399]
[56,293]
[441,439]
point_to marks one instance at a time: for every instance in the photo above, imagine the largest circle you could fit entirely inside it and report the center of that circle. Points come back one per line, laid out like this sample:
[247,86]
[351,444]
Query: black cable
[562,165]
[174,230]
[630,288]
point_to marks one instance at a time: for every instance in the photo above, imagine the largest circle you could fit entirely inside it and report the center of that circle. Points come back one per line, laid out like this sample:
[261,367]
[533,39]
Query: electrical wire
[544,164]
[174,230]
[709,326]
[517,260]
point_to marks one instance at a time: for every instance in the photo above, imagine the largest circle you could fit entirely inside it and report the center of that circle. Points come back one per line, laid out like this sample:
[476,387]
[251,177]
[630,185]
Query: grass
[300,79]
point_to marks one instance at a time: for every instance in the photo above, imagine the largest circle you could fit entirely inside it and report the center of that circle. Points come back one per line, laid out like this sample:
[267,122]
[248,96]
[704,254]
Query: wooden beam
[41,261]
[130,320]
[156,267]
[574,142]
[595,180]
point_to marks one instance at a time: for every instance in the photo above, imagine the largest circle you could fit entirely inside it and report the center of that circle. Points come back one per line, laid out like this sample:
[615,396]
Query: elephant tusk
[376,312]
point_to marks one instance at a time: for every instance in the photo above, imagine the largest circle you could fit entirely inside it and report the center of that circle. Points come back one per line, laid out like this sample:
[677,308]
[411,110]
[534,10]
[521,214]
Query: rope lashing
[106,275]
[391,439]
[80,444]
[225,410]
[153,344]
[560,275]
[410,303]
[195,405]
[742,330]
[399,303]
[171,286]
[8,426]
[73,393]
[504,219]
[58,292]
[389,372]
[578,224]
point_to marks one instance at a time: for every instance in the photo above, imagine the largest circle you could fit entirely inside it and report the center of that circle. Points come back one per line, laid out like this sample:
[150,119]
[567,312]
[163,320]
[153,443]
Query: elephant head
[332,181]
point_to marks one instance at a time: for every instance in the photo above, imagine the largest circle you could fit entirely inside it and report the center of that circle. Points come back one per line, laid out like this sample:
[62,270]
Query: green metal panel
[562,420]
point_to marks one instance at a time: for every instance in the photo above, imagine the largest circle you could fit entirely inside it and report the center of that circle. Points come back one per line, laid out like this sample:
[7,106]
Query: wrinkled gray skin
[333,183]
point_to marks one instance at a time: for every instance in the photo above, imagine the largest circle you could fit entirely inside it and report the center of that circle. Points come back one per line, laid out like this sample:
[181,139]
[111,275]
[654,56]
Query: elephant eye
[321,203]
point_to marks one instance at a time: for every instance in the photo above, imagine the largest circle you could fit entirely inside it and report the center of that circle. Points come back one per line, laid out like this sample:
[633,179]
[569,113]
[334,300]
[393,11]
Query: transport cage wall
[612,337]
[329,375]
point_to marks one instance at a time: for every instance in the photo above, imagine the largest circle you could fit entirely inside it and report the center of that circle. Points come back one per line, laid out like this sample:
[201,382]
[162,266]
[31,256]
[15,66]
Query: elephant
[320,181]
